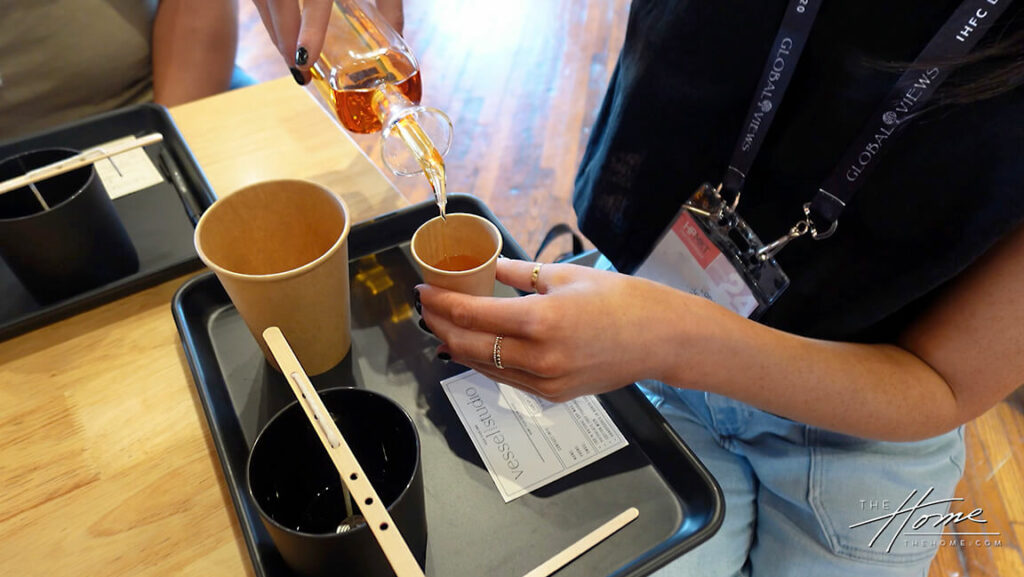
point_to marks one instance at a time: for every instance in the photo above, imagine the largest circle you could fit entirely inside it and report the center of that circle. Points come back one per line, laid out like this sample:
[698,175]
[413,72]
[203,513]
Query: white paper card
[129,172]
[525,441]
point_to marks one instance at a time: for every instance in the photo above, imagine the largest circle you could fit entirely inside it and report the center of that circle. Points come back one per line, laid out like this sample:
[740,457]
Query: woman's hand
[585,331]
[589,331]
[299,36]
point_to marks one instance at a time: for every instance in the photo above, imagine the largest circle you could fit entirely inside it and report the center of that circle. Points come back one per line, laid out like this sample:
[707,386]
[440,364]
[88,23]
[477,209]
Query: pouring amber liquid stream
[371,81]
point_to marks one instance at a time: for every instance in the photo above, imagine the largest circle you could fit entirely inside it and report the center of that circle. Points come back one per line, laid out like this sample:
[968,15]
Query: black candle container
[298,491]
[76,244]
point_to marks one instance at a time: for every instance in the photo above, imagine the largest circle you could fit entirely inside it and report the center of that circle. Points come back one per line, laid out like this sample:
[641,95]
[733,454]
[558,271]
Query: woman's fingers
[588,332]
[299,37]
[479,346]
[513,377]
[267,18]
[393,12]
[315,16]
[495,315]
[517,273]
[286,19]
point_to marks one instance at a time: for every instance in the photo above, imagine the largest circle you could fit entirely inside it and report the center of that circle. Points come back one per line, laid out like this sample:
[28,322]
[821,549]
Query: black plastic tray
[156,218]
[471,531]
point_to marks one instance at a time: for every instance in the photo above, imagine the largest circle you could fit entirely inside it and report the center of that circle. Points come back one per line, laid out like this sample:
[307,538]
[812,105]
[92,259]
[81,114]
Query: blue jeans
[793,491]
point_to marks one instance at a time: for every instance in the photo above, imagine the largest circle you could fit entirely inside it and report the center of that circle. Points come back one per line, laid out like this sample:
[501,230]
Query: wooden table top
[106,463]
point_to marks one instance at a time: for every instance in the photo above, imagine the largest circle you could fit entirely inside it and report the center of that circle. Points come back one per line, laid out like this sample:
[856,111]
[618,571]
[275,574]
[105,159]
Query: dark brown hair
[995,67]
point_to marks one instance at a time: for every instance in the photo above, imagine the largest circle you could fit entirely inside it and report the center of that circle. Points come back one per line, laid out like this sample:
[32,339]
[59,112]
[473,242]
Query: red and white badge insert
[686,259]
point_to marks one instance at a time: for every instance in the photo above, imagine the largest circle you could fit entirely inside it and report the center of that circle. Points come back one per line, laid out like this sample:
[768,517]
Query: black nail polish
[424,326]
[301,56]
[297,75]
[444,356]
[416,301]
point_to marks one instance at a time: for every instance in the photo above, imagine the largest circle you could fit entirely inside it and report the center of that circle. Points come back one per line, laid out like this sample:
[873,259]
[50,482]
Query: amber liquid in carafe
[354,103]
[359,95]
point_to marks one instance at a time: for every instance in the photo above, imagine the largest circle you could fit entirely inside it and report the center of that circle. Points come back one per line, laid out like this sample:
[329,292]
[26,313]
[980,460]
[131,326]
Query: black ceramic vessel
[78,244]
[298,494]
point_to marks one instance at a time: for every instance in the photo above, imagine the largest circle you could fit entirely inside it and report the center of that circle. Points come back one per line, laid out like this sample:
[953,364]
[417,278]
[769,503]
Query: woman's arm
[961,357]
[194,44]
[593,331]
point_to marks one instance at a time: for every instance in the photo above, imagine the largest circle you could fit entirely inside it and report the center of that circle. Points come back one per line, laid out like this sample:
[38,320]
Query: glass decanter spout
[371,80]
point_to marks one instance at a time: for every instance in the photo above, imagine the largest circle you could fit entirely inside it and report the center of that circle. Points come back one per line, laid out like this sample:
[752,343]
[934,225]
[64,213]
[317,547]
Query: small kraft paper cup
[280,249]
[458,254]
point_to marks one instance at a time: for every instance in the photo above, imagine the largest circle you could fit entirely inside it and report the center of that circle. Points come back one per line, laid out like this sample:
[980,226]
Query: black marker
[172,174]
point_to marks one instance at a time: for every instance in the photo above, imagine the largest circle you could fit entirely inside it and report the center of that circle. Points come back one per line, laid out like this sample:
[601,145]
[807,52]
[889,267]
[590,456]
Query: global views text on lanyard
[961,32]
[709,250]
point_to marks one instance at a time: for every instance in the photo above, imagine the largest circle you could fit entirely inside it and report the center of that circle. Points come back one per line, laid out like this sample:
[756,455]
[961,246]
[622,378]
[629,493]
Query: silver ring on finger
[496,354]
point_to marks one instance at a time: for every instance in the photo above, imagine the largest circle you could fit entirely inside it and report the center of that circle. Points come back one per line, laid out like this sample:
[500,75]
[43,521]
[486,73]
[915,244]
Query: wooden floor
[522,82]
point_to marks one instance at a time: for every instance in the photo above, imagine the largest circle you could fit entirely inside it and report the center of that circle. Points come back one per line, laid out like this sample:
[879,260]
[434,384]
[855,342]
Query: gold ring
[535,275]
[497,352]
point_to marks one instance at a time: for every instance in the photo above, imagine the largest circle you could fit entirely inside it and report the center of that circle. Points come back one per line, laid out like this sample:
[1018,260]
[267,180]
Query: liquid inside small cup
[458,254]
[458,262]
[463,242]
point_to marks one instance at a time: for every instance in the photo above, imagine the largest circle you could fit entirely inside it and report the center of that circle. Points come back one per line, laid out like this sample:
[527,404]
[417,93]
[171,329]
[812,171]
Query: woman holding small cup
[898,326]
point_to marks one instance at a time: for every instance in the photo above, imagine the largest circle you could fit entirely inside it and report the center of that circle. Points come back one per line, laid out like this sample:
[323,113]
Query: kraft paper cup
[280,249]
[467,237]
[298,493]
[78,244]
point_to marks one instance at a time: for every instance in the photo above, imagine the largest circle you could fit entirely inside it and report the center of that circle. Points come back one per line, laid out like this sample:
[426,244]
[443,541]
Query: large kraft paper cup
[460,235]
[280,249]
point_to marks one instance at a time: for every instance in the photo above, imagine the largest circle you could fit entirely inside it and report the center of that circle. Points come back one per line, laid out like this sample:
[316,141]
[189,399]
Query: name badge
[710,251]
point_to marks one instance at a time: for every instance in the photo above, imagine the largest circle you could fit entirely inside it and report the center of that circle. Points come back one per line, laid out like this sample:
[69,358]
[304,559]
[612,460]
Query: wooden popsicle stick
[352,476]
[39,197]
[84,158]
[580,547]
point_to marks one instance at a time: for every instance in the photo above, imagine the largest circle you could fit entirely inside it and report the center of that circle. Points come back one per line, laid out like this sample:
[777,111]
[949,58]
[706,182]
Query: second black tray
[471,531]
[160,219]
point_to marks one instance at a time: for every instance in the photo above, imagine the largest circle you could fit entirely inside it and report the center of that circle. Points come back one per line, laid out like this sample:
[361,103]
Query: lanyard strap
[778,71]
[961,32]
[964,29]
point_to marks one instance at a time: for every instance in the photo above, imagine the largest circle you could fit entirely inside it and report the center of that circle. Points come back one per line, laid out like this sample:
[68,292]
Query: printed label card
[525,441]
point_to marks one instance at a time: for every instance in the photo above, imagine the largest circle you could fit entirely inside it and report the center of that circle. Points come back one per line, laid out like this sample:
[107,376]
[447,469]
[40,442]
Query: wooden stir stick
[84,158]
[580,547]
[352,476]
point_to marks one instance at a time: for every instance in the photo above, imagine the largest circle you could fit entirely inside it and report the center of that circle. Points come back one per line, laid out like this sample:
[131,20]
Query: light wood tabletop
[107,466]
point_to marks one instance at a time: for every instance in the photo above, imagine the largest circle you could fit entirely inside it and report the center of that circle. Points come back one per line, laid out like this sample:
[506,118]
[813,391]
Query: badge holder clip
[710,251]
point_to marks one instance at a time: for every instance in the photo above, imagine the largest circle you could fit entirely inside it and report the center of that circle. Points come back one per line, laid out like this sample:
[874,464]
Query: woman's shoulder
[67,59]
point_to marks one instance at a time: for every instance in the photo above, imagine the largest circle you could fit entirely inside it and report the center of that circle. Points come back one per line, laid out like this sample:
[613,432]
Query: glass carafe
[370,78]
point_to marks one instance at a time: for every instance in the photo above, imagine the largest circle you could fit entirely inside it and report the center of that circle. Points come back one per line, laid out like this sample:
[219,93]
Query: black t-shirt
[947,188]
